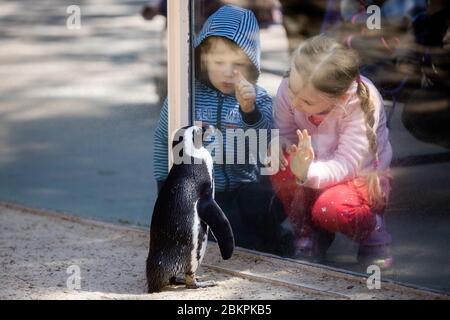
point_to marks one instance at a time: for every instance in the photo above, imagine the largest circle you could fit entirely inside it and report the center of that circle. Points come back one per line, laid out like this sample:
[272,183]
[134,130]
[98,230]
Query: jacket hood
[238,25]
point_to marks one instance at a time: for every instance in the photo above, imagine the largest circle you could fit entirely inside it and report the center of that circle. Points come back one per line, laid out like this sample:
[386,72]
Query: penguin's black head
[193,134]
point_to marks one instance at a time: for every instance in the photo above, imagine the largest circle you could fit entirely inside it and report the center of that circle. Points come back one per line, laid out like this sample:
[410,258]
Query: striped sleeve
[160,160]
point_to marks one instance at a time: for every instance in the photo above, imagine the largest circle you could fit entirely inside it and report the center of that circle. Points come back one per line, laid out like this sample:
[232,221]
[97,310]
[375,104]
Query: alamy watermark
[73,21]
[74,280]
[251,146]
[374,280]
[374,20]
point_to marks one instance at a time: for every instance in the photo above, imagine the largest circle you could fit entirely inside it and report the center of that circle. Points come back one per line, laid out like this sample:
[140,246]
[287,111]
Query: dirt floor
[37,248]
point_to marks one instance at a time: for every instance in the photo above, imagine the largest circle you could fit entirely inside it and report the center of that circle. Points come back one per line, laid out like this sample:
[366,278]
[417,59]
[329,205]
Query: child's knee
[347,215]
[325,214]
[328,204]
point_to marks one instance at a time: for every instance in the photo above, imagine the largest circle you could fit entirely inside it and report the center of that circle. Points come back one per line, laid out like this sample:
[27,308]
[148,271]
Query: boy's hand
[245,92]
[301,155]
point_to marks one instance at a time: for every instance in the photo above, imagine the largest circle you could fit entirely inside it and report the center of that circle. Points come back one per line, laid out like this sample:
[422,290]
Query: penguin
[183,213]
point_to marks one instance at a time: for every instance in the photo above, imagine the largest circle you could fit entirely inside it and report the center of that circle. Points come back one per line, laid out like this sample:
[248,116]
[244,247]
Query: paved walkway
[78,108]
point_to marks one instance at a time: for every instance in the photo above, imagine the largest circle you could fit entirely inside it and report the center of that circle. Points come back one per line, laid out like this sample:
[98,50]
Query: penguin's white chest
[198,245]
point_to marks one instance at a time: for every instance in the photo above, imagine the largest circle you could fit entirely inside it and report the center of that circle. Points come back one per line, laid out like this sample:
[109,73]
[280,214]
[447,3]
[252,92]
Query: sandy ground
[36,252]
[37,248]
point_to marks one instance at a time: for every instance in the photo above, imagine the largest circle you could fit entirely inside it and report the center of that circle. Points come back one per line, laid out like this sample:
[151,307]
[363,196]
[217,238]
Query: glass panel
[339,216]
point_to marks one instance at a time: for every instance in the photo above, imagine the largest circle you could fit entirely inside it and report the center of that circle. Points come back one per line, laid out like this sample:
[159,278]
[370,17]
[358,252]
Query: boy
[227,97]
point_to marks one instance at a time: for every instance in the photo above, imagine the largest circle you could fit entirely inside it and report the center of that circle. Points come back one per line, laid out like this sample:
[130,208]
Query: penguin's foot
[176,281]
[201,284]
[192,283]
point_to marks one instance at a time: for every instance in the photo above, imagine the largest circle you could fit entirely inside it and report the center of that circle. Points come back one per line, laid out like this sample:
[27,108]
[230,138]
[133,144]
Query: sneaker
[313,248]
[376,249]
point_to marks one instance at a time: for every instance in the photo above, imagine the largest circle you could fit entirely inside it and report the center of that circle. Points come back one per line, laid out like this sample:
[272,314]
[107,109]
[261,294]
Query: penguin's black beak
[207,128]
[200,134]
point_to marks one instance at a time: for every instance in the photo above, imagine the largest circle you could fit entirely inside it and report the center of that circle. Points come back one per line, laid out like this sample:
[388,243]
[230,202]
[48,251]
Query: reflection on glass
[227,67]
[375,78]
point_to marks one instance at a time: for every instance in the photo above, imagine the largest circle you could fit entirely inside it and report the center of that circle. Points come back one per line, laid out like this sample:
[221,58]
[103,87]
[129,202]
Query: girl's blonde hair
[331,67]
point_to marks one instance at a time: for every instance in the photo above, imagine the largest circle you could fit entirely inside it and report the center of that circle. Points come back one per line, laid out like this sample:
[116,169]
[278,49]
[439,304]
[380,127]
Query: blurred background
[78,108]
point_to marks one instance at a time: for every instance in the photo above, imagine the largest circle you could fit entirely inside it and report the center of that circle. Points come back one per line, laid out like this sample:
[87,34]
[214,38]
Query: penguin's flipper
[210,212]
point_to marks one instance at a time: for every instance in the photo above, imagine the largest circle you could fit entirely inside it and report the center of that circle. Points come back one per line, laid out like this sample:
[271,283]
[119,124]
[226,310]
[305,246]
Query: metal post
[178,49]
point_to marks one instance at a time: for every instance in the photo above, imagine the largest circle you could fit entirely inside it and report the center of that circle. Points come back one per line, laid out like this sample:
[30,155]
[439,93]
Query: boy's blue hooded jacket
[219,110]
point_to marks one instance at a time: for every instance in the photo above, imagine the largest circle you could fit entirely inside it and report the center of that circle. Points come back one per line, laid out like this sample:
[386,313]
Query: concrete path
[78,108]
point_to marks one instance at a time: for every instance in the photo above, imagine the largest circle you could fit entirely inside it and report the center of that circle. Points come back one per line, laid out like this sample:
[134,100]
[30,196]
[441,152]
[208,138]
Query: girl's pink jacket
[340,143]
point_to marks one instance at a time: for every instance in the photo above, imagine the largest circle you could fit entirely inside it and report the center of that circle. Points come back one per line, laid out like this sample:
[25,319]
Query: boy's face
[221,61]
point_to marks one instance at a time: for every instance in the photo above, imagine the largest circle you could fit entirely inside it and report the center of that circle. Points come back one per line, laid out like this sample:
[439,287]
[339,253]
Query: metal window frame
[179,70]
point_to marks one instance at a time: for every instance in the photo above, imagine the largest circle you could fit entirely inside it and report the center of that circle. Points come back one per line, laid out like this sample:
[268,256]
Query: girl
[336,154]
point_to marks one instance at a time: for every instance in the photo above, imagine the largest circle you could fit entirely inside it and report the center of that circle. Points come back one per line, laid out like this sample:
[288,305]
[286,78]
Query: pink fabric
[342,208]
[345,208]
[340,143]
